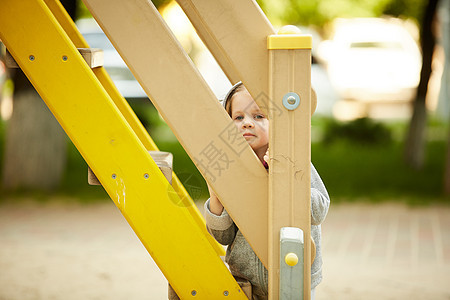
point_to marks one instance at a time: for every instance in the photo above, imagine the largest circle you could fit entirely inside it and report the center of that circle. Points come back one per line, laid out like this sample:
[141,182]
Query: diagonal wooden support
[236,34]
[109,145]
[71,30]
[190,108]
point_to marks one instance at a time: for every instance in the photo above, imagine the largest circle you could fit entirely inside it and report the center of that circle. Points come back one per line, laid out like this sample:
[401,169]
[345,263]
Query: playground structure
[276,69]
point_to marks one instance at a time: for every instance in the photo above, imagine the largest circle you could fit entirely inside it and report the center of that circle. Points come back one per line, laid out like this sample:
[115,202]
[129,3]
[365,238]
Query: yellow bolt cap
[291,259]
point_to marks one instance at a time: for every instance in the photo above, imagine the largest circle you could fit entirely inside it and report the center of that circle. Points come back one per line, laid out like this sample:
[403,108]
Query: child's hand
[266,159]
[214,203]
[266,156]
[211,192]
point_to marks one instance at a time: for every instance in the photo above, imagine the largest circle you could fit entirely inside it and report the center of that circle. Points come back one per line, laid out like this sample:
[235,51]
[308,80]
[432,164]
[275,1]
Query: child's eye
[260,117]
[239,118]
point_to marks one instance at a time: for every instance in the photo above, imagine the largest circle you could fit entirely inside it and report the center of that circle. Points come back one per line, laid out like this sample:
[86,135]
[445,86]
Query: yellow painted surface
[291,259]
[71,30]
[109,145]
[289,41]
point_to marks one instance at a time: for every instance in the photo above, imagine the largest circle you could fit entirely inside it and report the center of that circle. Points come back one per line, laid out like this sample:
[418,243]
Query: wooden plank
[92,56]
[236,34]
[290,157]
[164,161]
[190,108]
[113,150]
[9,61]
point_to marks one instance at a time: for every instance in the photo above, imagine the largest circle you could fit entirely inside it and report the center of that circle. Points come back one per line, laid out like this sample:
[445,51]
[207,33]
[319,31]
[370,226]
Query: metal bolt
[225,293]
[114,176]
[193,292]
[291,99]
[64,58]
[146,176]
[31,57]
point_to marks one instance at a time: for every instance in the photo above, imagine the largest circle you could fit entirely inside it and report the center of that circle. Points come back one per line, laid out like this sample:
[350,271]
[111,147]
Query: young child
[243,262]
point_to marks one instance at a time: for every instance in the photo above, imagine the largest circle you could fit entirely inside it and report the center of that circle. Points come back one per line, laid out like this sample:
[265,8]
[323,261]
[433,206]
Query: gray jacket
[240,257]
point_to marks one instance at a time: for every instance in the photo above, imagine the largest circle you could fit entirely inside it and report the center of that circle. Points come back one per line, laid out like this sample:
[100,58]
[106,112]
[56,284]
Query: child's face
[250,121]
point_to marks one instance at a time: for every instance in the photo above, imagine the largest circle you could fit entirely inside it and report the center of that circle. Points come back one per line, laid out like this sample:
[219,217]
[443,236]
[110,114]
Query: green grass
[354,171]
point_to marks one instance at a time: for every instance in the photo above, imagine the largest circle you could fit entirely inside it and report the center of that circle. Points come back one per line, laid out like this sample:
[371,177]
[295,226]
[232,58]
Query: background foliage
[321,12]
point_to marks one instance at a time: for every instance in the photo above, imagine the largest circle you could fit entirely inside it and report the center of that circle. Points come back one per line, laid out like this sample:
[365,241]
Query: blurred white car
[113,63]
[373,60]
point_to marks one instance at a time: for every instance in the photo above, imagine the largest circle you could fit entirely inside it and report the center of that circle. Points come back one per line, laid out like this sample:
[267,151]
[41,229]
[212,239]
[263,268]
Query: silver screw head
[291,99]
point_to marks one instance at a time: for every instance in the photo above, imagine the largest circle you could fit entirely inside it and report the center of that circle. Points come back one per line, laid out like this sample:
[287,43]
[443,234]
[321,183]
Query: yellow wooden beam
[289,41]
[106,141]
[71,30]
[192,111]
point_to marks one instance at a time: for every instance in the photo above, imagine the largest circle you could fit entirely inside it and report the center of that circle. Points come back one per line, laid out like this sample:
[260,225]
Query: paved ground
[386,252]
[73,251]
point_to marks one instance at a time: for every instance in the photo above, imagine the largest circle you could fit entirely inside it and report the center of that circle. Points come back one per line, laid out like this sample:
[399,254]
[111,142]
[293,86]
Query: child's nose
[248,123]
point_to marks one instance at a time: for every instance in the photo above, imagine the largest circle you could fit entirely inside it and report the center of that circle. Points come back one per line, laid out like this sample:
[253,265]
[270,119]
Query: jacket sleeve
[222,227]
[320,200]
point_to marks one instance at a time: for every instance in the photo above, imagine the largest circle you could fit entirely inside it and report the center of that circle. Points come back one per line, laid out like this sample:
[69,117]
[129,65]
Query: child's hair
[227,100]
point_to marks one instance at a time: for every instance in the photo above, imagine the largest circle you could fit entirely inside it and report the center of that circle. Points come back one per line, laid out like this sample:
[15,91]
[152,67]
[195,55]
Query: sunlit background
[379,142]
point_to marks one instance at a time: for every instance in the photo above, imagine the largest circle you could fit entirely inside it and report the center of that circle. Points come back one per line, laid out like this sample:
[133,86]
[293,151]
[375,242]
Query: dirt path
[76,251]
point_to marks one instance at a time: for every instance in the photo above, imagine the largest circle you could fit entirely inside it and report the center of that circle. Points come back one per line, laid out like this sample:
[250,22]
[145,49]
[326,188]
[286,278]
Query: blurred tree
[35,146]
[406,8]
[321,12]
[83,12]
[415,140]
[160,3]
[444,18]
